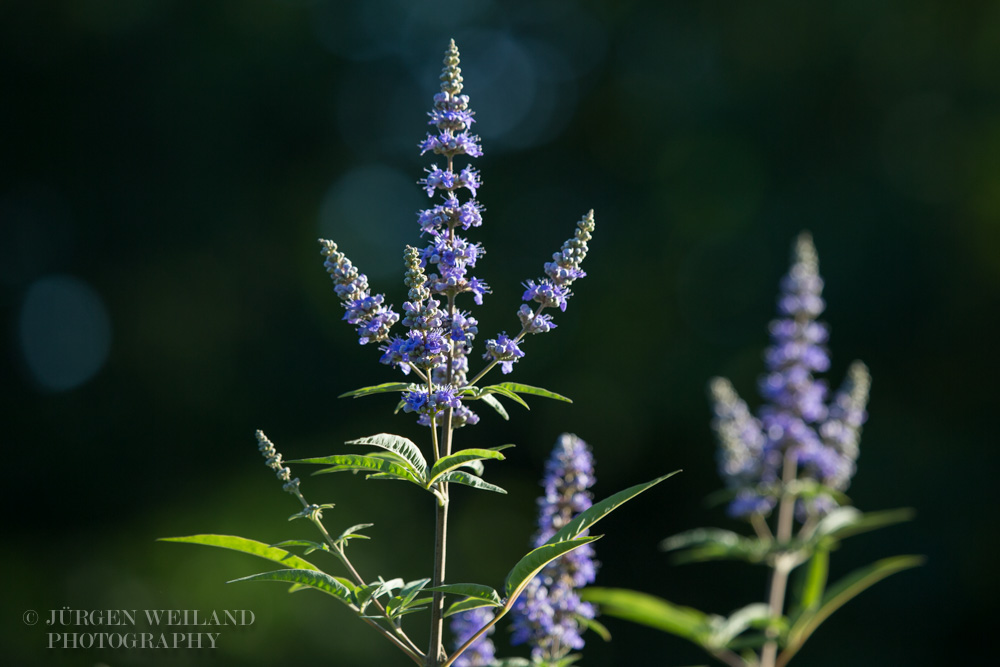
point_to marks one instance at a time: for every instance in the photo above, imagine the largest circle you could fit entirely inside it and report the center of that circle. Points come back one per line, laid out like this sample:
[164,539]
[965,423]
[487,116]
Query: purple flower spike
[464,625]
[796,421]
[372,318]
[548,613]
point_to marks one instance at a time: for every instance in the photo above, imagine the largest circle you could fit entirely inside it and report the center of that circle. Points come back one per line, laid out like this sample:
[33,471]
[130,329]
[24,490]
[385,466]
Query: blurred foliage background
[167,166]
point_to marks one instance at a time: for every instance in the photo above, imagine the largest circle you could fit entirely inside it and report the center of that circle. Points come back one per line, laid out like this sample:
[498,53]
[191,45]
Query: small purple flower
[533,323]
[796,421]
[430,403]
[547,613]
[504,350]
[547,294]
[464,625]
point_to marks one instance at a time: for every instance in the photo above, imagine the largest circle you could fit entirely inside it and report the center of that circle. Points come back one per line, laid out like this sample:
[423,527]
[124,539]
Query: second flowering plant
[431,342]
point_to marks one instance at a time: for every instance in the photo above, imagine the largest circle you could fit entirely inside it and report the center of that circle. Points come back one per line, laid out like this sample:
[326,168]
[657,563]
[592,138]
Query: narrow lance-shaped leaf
[378,389]
[477,591]
[533,562]
[244,545]
[651,611]
[448,463]
[374,464]
[496,405]
[398,444]
[468,479]
[528,389]
[483,392]
[812,579]
[598,511]
[841,593]
[321,581]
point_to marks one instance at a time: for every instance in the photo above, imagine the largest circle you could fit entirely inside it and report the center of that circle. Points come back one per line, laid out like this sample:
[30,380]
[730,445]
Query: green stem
[396,636]
[782,564]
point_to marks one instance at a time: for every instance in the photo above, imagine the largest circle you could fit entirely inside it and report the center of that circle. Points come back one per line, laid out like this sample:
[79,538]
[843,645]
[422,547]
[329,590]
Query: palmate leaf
[379,389]
[321,581]
[654,612]
[838,595]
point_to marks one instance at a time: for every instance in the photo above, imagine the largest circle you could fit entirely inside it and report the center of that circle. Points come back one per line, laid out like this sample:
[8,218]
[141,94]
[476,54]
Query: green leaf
[468,479]
[512,662]
[252,547]
[725,630]
[847,521]
[467,604]
[477,591]
[841,593]
[812,581]
[532,562]
[476,467]
[496,405]
[354,463]
[352,533]
[528,389]
[321,581]
[703,544]
[408,592]
[652,611]
[379,389]
[598,511]
[594,626]
[310,545]
[398,444]
[448,463]
[483,392]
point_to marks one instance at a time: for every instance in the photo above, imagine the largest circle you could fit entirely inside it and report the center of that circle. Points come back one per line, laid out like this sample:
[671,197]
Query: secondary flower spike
[464,625]
[796,420]
[548,614]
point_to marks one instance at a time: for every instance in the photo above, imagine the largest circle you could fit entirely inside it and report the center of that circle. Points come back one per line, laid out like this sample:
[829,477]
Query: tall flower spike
[372,317]
[548,613]
[796,419]
[549,292]
[464,625]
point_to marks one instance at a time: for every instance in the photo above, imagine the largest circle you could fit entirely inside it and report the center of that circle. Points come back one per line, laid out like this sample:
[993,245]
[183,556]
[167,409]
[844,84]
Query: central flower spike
[441,334]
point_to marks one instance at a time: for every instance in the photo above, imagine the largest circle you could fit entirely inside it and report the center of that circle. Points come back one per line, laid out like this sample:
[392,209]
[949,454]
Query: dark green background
[181,158]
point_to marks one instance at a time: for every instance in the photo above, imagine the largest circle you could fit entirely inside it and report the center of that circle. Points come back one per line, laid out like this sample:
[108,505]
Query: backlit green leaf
[379,389]
[321,581]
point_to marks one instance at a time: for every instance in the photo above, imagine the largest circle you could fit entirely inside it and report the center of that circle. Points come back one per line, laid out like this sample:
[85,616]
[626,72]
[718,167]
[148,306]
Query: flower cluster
[464,625]
[440,334]
[547,615]
[368,312]
[795,425]
[549,292]
[273,460]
